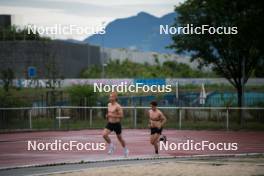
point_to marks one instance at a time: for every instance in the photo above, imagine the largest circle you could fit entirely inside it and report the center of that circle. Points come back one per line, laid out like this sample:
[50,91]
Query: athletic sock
[111,149]
[126,152]
[111,145]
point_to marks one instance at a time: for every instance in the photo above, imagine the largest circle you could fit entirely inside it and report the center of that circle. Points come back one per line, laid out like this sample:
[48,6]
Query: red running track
[13,146]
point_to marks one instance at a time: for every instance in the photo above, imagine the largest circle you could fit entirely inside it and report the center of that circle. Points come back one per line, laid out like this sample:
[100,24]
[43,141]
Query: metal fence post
[91,118]
[227,119]
[30,119]
[180,117]
[135,117]
[59,118]
[33,113]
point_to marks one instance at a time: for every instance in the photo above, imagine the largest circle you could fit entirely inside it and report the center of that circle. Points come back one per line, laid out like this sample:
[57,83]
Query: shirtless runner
[114,116]
[156,122]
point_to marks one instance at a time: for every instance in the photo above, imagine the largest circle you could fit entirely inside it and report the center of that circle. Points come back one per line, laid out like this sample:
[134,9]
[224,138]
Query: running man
[114,116]
[156,123]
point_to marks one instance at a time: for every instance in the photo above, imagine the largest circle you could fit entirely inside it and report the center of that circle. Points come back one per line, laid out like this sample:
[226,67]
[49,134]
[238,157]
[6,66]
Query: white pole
[91,117]
[180,116]
[135,118]
[227,119]
[202,95]
[59,118]
[30,119]
[177,90]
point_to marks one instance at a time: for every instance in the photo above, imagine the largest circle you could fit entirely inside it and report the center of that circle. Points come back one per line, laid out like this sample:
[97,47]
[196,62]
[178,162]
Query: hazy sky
[84,13]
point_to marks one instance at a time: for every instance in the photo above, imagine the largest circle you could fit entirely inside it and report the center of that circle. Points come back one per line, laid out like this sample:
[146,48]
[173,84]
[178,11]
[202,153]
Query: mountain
[140,32]
[75,41]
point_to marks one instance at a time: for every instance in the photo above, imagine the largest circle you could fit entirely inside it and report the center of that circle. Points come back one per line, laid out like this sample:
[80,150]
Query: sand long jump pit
[238,166]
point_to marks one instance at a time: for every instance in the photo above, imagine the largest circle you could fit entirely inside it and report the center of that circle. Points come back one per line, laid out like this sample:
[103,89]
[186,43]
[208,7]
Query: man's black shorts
[155,130]
[116,127]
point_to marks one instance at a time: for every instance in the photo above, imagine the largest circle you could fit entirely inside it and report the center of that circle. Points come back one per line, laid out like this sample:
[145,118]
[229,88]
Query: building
[49,58]
[5,20]
[45,58]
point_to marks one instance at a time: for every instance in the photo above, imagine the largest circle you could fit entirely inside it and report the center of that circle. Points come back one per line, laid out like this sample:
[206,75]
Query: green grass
[203,125]
[14,124]
[254,126]
[43,123]
[98,122]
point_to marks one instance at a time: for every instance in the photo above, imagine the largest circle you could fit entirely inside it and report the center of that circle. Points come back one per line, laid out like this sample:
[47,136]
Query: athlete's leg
[121,140]
[105,134]
[118,130]
[123,143]
[154,138]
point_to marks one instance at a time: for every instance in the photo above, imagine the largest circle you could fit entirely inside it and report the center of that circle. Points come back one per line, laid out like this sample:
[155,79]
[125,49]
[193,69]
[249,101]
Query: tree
[259,71]
[231,56]
[128,69]
[7,77]
[12,33]
[79,93]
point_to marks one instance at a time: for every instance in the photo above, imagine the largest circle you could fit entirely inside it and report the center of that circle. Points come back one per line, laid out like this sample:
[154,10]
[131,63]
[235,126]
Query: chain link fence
[74,118]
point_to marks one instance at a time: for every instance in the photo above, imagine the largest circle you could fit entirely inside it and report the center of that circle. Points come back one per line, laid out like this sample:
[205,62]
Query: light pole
[243,81]
[103,54]
[243,89]
[103,73]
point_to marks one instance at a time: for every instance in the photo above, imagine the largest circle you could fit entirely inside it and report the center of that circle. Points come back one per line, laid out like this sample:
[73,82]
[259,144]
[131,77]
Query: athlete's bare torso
[114,110]
[155,118]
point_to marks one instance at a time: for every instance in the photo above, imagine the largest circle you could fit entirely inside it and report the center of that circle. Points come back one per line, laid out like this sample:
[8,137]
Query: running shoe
[111,149]
[126,152]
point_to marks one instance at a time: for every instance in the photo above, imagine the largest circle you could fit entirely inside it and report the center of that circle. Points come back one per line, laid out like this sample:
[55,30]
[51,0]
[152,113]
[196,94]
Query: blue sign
[32,72]
[150,81]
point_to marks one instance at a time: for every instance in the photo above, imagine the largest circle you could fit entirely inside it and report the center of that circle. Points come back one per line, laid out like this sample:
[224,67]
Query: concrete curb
[134,159]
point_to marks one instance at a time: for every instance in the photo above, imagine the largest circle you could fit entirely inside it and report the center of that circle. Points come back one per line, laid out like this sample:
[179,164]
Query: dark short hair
[154,103]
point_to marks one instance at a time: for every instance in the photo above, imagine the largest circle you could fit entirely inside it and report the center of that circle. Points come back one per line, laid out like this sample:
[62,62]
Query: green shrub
[9,100]
[79,93]
[129,69]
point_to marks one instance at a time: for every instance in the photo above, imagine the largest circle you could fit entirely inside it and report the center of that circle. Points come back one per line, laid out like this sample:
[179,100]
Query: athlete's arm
[120,113]
[163,119]
[149,122]
[107,114]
